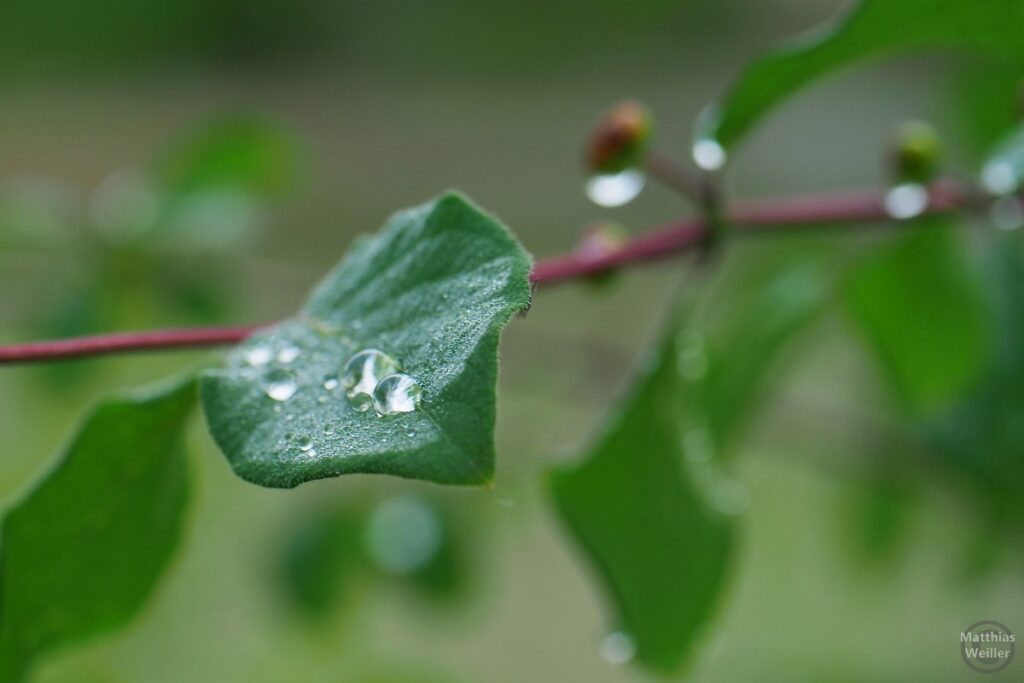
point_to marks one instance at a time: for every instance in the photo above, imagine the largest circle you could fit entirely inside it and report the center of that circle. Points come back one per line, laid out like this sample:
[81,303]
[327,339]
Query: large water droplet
[398,393]
[362,373]
[615,189]
[708,154]
[279,384]
[287,354]
[906,201]
[258,355]
[999,177]
[404,535]
[618,648]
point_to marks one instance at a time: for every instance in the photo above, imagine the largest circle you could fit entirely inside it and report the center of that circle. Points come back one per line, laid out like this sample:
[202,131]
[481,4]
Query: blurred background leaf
[84,549]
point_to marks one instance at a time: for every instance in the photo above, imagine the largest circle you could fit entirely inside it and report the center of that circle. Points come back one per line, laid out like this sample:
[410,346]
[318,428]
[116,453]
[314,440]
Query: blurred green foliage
[934,450]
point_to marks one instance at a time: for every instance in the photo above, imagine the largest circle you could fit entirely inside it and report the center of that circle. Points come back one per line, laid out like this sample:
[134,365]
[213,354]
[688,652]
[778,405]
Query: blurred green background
[854,563]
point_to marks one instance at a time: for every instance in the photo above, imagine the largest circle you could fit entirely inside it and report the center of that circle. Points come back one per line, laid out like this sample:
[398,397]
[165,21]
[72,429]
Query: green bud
[915,153]
[619,140]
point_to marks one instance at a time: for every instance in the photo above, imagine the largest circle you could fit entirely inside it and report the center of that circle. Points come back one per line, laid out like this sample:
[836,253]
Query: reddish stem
[685,234]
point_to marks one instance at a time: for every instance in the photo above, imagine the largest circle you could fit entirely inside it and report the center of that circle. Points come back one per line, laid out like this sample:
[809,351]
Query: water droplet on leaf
[287,354]
[362,373]
[708,154]
[331,383]
[618,648]
[398,393]
[906,201]
[615,189]
[258,355]
[279,385]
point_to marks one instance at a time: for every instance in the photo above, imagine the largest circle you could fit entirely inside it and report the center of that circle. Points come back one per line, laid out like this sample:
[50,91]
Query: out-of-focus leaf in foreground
[642,506]
[873,28]
[426,299]
[923,316]
[84,549]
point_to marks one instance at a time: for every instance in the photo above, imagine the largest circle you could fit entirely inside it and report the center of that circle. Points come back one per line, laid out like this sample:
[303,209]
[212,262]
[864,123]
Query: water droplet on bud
[615,189]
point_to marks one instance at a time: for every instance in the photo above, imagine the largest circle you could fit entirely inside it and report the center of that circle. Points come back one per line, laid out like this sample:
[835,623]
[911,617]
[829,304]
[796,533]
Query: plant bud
[914,153]
[619,139]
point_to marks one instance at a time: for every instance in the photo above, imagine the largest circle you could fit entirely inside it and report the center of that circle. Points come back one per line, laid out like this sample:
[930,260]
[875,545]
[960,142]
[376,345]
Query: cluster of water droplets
[373,379]
[370,379]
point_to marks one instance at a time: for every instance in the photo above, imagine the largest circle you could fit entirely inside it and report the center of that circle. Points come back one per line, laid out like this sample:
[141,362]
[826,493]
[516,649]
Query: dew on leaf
[362,373]
[287,354]
[615,189]
[258,355]
[279,384]
[331,383]
[907,200]
[397,393]
[618,648]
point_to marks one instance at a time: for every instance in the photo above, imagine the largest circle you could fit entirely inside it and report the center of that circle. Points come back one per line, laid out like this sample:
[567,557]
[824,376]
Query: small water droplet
[999,177]
[708,154]
[331,383]
[277,409]
[615,189]
[618,648]
[279,384]
[258,355]
[411,433]
[311,453]
[304,443]
[1007,213]
[362,373]
[287,354]
[906,201]
[398,393]
[322,399]
[328,430]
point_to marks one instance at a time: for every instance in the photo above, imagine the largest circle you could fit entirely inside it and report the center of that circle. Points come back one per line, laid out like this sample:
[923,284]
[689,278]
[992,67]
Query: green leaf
[643,507]
[923,316]
[432,291]
[874,28]
[982,436]
[736,365]
[236,153]
[84,550]
[1003,171]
